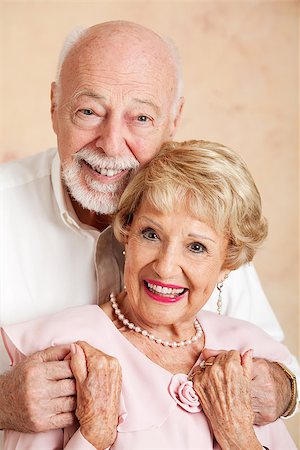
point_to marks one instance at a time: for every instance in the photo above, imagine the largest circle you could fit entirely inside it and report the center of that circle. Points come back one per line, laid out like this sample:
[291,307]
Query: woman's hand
[224,394]
[98,383]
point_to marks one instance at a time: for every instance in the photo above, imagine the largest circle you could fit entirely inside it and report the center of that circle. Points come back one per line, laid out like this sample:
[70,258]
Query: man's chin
[92,196]
[99,203]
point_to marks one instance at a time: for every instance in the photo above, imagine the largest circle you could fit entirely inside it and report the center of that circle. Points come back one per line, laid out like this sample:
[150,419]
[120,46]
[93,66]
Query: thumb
[208,353]
[247,363]
[57,353]
[78,363]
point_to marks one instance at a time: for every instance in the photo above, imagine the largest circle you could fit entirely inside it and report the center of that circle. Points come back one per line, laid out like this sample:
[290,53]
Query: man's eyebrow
[88,93]
[142,101]
[149,103]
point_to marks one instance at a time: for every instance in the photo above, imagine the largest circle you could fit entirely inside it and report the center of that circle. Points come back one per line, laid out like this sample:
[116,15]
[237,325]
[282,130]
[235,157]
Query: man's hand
[270,391]
[38,393]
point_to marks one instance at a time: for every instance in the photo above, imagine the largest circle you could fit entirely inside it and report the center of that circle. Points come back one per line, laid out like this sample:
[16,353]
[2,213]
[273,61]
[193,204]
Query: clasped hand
[38,394]
[98,382]
[237,391]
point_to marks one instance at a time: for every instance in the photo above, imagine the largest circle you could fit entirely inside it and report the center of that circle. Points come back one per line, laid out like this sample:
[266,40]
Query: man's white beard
[92,194]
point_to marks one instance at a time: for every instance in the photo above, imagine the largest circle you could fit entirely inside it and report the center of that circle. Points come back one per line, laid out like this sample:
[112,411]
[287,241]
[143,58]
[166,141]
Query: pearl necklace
[152,338]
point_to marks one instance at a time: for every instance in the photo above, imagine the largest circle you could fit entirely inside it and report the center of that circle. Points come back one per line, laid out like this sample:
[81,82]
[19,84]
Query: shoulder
[227,333]
[63,327]
[23,171]
[217,324]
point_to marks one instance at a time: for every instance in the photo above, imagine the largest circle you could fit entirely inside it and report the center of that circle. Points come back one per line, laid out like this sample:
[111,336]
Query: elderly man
[116,100]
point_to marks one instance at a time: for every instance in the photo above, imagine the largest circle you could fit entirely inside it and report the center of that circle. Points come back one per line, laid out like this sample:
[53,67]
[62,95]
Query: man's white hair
[79,32]
[72,38]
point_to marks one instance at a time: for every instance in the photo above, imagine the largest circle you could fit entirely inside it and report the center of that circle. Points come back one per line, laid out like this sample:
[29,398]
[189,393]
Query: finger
[62,420]
[208,353]
[57,353]
[63,388]
[58,370]
[68,357]
[228,360]
[247,363]
[63,405]
[258,367]
[229,355]
[78,363]
[88,349]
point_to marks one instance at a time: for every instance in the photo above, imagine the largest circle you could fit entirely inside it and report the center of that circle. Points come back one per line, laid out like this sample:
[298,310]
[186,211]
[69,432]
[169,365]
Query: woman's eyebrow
[201,236]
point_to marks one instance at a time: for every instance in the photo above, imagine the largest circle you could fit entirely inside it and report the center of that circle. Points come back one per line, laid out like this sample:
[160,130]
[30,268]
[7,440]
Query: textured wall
[240,63]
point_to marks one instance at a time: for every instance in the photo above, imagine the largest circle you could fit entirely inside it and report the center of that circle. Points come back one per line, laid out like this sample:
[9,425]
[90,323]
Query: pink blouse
[158,410]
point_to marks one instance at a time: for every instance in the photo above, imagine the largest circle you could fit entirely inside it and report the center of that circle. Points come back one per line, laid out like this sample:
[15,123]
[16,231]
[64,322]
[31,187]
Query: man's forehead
[130,68]
[100,81]
[123,52]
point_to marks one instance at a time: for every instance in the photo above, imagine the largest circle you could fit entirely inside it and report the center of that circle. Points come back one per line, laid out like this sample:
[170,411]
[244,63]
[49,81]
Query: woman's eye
[196,247]
[142,118]
[149,234]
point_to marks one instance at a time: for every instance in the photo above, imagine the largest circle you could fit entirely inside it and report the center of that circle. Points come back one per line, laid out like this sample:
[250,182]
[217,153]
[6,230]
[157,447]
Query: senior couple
[111,112]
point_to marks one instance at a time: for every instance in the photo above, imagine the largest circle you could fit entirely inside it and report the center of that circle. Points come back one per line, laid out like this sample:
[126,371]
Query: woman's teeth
[164,291]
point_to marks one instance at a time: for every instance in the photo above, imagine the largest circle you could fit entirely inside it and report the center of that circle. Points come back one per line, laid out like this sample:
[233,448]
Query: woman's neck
[175,360]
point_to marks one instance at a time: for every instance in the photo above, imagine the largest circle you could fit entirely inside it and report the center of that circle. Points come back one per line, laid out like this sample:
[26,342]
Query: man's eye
[87,112]
[149,234]
[196,247]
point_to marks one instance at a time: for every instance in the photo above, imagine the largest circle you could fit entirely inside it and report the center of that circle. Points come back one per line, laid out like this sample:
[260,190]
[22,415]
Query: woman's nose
[167,264]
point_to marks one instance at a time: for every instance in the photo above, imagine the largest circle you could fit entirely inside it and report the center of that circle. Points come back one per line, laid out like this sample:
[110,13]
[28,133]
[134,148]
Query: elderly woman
[187,219]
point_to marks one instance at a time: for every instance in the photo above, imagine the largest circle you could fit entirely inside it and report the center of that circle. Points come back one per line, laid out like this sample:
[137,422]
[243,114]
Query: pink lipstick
[172,297]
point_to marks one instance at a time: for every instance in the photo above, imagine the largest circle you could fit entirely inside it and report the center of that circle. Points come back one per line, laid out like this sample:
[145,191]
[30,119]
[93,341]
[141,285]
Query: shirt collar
[67,213]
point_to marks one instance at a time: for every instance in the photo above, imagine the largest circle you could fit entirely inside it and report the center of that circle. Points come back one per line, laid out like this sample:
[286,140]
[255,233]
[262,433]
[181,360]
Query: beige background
[240,62]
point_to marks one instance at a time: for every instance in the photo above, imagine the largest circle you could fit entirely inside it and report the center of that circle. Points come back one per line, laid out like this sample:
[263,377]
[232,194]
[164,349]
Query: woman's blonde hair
[212,182]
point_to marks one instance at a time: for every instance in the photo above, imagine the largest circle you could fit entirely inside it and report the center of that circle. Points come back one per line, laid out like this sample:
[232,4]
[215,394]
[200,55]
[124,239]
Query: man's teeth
[107,172]
[156,289]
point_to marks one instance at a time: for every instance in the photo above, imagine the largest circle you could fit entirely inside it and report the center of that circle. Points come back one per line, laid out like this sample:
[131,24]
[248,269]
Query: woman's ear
[125,237]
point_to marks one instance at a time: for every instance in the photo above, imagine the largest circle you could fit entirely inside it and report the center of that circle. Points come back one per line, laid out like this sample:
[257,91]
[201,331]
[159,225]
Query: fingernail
[73,349]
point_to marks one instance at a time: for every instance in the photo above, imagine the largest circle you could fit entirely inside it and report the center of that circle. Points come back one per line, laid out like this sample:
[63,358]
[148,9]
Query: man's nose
[111,137]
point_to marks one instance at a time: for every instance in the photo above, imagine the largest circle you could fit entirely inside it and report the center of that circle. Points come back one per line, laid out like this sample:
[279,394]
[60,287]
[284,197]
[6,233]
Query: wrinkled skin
[270,389]
[225,395]
[98,383]
[44,383]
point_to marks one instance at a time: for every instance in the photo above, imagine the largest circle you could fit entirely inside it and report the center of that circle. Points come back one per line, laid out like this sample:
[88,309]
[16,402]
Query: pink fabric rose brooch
[182,391]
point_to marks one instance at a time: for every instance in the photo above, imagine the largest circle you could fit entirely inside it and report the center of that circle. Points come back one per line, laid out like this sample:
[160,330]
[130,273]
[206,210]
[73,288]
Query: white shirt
[51,261]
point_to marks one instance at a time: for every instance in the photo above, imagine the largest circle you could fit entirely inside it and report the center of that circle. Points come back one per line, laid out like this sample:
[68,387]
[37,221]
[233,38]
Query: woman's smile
[170,271]
[165,293]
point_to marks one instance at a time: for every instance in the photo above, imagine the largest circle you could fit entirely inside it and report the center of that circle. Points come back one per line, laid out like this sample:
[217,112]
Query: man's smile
[101,174]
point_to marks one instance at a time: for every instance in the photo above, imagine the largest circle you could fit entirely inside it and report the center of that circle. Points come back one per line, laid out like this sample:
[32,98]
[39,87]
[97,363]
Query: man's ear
[176,119]
[54,95]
